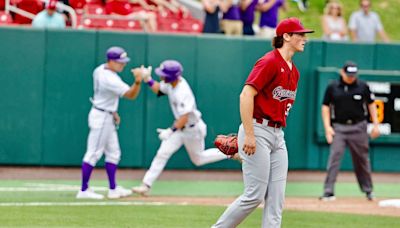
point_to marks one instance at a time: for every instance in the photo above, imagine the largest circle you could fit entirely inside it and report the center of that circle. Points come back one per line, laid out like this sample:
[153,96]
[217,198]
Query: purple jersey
[233,13]
[247,15]
[270,18]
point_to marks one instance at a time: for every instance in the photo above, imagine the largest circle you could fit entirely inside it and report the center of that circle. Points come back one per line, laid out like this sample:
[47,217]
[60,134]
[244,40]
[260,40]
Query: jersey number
[288,107]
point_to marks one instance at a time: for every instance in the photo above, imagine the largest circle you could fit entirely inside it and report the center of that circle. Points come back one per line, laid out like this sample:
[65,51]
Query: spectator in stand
[231,22]
[247,8]
[211,21]
[123,7]
[364,24]
[49,17]
[333,24]
[269,16]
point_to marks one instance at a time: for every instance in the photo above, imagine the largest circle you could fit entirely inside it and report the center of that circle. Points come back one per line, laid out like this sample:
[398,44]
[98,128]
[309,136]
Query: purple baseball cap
[170,70]
[117,54]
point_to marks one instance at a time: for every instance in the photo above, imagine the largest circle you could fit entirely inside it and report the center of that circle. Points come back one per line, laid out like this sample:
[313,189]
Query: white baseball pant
[264,176]
[193,140]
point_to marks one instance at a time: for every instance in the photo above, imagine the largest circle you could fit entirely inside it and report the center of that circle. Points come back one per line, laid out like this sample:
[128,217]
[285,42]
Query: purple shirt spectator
[247,15]
[233,13]
[270,17]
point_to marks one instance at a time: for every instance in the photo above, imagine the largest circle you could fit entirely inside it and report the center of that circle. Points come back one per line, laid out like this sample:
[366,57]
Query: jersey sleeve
[369,96]
[116,85]
[262,73]
[379,26]
[163,87]
[328,96]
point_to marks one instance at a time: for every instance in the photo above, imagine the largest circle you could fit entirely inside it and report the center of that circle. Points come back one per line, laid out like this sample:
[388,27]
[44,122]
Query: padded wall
[22,62]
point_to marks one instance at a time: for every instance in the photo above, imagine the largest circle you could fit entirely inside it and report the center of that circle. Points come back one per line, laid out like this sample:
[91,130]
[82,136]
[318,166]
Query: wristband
[150,83]
[137,83]
[173,128]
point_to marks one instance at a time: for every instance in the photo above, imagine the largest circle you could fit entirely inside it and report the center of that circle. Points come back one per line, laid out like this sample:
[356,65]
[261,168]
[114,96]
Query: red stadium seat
[168,25]
[94,9]
[32,6]
[119,7]
[96,23]
[95,2]
[77,4]
[190,26]
[5,18]
[127,24]
[2,4]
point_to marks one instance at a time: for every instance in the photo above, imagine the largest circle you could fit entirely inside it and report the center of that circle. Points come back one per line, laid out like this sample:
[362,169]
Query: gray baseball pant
[356,137]
[264,177]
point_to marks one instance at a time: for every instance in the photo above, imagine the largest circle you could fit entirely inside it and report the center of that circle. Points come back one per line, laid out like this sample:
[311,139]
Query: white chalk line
[46,204]
[43,187]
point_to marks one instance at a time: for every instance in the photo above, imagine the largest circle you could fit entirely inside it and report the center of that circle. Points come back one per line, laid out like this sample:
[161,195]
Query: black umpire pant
[356,137]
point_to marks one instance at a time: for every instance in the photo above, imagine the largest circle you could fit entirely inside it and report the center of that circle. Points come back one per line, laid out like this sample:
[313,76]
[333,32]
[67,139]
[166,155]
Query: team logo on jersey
[282,70]
[282,94]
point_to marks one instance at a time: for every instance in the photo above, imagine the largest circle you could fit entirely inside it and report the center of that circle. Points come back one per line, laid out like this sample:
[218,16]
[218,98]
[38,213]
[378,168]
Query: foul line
[135,203]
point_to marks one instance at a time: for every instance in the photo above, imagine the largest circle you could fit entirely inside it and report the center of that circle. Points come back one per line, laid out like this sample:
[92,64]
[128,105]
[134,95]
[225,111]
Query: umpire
[345,113]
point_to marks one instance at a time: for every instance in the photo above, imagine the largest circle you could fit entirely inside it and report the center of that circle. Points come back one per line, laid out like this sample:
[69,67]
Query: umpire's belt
[348,121]
[268,123]
[103,110]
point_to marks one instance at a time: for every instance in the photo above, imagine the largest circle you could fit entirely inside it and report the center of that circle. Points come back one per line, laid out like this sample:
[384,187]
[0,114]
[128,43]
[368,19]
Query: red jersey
[276,85]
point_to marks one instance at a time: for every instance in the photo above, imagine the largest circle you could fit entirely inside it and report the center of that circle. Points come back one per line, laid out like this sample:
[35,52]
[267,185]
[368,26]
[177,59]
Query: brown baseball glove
[227,144]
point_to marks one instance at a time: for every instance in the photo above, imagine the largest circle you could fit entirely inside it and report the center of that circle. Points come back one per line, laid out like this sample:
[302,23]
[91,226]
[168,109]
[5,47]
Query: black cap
[350,68]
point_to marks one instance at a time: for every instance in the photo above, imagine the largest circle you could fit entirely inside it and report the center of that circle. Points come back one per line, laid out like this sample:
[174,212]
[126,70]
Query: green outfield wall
[46,82]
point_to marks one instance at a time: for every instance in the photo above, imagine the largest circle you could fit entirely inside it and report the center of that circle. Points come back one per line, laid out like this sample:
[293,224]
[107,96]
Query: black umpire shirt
[348,102]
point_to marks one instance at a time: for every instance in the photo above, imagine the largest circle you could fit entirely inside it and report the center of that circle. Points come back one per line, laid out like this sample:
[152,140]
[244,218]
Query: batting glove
[164,134]
[146,73]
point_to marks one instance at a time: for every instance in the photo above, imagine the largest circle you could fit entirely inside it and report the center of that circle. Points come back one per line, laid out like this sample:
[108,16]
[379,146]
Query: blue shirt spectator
[49,18]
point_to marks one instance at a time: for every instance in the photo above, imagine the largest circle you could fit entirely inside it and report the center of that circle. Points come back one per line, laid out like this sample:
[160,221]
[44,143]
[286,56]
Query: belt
[269,123]
[189,126]
[103,110]
[348,122]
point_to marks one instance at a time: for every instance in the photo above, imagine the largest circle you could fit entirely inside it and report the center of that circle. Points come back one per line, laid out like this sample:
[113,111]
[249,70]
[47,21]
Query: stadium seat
[77,4]
[95,2]
[5,18]
[127,24]
[94,9]
[190,26]
[168,25]
[32,6]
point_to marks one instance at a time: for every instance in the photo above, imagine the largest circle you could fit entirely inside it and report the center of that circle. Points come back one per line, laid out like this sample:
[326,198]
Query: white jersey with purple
[181,100]
[108,88]
[192,136]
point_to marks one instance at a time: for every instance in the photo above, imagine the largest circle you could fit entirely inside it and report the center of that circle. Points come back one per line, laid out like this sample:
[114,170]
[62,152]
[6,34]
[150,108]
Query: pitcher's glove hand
[227,144]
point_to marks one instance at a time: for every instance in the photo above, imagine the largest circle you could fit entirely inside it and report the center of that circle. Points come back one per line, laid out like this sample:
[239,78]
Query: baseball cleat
[88,194]
[143,190]
[118,192]
[327,197]
[370,196]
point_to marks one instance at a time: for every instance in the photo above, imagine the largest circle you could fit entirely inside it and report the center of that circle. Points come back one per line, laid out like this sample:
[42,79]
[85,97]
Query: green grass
[165,216]
[388,10]
[171,216]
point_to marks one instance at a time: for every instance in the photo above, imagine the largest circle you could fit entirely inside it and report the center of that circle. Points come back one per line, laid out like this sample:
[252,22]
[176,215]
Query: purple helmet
[169,70]
[117,54]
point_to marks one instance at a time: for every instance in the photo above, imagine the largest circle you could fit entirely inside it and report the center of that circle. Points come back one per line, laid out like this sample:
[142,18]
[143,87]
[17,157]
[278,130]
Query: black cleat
[370,196]
[327,197]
